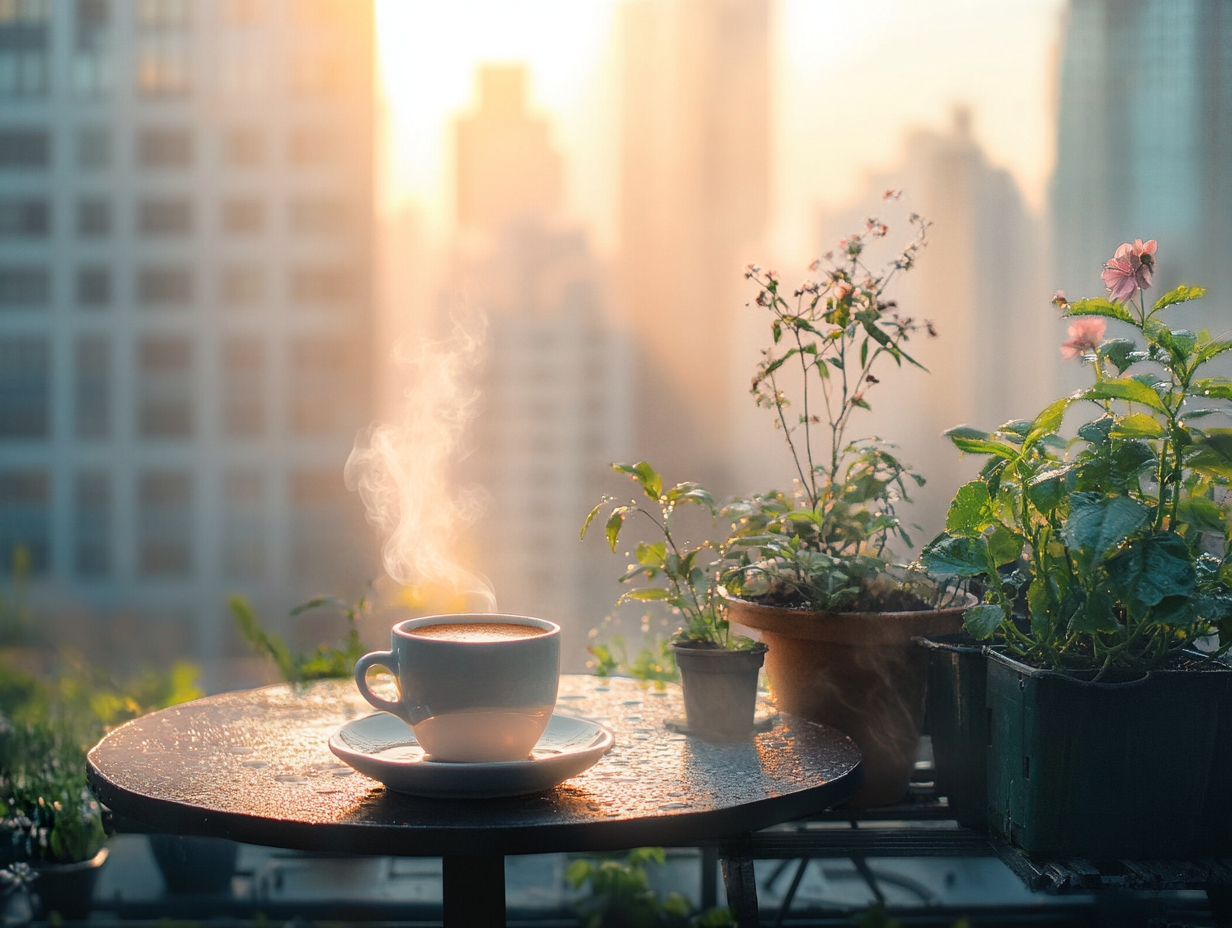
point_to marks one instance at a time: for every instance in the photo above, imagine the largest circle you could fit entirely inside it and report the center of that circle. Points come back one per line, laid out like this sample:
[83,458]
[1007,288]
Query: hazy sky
[849,78]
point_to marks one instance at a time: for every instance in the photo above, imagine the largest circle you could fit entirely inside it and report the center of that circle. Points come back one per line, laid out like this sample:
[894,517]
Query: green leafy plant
[684,577]
[826,544]
[326,662]
[655,665]
[46,726]
[1109,550]
[620,896]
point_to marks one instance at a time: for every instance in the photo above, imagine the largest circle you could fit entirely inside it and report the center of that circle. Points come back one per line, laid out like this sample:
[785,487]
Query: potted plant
[812,569]
[718,670]
[48,818]
[1106,559]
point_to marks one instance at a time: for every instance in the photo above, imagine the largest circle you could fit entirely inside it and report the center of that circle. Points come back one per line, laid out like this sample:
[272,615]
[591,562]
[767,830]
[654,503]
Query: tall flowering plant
[1109,550]
[825,544]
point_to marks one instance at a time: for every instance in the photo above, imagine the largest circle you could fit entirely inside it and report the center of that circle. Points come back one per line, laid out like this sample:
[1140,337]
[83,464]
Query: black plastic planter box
[1141,769]
[957,720]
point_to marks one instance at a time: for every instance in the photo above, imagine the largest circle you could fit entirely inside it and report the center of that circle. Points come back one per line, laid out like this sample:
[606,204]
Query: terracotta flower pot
[858,672]
[720,690]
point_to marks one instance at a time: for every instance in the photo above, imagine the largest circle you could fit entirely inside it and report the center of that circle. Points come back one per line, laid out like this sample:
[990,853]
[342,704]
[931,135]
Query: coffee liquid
[477,631]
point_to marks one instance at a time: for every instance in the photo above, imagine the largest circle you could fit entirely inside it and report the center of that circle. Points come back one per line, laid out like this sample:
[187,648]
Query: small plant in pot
[1106,559]
[812,569]
[718,670]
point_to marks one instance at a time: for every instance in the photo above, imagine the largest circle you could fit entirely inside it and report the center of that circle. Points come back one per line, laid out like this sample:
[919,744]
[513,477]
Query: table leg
[473,891]
[741,884]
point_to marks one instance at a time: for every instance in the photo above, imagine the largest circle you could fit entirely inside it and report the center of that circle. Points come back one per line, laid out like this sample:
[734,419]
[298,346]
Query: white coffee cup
[474,687]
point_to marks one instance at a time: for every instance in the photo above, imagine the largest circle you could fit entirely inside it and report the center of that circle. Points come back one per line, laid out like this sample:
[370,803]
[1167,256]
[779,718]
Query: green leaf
[1181,294]
[1138,425]
[1049,420]
[1098,307]
[1004,546]
[1097,432]
[614,522]
[1096,615]
[1122,352]
[1099,525]
[982,621]
[1213,454]
[647,594]
[316,603]
[1047,490]
[970,511]
[956,556]
[1201,514]
[590,518]
[644,474]
[973,441]
[691,493]
[1150,569]
[1215,387]
[1210,350]
[652,555]
[1133,391]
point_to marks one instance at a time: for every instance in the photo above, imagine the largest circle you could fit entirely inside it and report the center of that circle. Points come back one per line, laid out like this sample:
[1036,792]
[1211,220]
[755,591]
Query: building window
[164,66]
[243,148]
[23,48]
[25,387]
[317,217]
[243,285]
[164,217]
[243,217]
[92,524]
[92,58]
[164,148]
[164,524]
[243,405]
[164,286]
[93,287]
[318,511]
[93,218]
[93,387]
[25,521]
[93,149]
[322,285]
[316,73]
[320,384]
[162,14]
[311,147]
[25,218]
[165,387]
[24,149]
[243,535]
[24,288]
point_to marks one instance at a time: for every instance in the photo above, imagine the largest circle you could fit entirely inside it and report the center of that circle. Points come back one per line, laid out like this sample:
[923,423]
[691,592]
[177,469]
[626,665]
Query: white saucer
[383,747]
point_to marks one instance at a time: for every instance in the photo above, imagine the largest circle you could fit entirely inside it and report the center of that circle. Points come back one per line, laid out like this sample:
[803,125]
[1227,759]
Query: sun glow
[428,55]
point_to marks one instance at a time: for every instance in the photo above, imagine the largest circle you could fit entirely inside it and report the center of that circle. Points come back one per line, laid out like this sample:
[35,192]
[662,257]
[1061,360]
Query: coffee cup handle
[389,661]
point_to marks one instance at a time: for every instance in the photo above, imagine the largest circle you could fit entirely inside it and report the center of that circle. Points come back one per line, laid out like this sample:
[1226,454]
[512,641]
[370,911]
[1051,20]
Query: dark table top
[255,767]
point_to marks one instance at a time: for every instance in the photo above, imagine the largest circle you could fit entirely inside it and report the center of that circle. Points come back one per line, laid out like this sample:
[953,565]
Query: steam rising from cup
[401,470]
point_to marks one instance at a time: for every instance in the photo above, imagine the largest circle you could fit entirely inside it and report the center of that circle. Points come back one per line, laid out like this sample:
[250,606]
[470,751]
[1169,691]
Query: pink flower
[1084,335]
[1129,269]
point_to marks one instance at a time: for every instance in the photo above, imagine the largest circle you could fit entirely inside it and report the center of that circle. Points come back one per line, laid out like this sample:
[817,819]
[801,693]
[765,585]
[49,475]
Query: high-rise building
[185,315]
[1144,144]
[980,282]
[557,397]
[694,195]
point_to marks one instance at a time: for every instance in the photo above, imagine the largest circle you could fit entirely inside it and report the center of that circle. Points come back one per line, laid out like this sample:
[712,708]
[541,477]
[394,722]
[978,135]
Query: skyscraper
[557,396]
[694,193]
[185,316]
[980,282]
[1144,144]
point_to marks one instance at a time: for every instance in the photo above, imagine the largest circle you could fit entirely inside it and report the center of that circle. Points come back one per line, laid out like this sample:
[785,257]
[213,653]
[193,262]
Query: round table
[255,767]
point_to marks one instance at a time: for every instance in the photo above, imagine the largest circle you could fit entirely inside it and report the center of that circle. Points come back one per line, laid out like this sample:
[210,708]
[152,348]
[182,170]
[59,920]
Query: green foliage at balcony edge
[619,894]
[1108,550]
[326,662]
